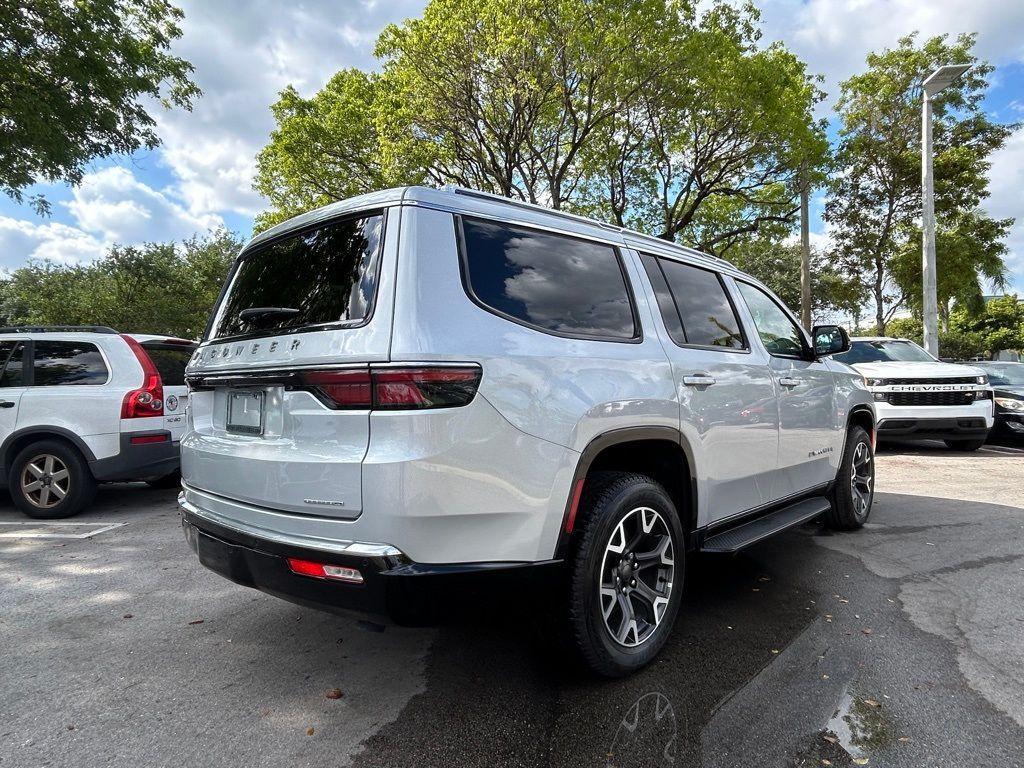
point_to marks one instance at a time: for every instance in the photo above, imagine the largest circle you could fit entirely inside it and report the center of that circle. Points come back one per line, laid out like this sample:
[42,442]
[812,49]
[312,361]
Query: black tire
[79,490]
[172,480]
[964,445]
[848,512]
[611,498]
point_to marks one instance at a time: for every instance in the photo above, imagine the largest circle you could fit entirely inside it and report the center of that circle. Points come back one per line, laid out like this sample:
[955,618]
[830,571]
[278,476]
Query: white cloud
[1006,180]
[243,59]
[835,36]
[110,206]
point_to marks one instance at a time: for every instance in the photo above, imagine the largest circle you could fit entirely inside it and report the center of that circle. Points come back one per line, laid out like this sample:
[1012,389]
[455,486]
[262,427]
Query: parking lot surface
[900,645]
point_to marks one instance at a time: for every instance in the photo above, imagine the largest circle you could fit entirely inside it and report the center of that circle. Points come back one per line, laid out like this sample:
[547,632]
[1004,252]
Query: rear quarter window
[554,283]
[67,362]
[327,275]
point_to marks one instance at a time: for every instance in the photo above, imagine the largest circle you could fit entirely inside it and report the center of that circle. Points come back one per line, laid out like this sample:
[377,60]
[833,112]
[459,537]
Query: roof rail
[457,190]
[56,329]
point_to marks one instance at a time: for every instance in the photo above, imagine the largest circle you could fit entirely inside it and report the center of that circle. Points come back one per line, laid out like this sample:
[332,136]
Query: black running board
[735,539]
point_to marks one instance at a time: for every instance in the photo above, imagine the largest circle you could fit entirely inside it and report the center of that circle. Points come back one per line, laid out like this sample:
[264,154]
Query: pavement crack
[972,565]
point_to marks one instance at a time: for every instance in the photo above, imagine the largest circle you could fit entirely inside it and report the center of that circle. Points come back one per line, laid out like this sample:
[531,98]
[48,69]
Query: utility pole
[805,251]
[938,80]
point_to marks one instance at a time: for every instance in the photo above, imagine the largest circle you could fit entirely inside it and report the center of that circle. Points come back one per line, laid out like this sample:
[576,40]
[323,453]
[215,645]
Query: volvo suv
[82,405]
[419,385]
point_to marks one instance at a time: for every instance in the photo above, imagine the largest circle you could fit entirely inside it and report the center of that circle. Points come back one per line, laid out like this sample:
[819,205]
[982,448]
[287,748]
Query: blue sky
[244,54]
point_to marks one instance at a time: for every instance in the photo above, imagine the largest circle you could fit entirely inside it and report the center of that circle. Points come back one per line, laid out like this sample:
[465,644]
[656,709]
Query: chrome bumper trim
[341,547]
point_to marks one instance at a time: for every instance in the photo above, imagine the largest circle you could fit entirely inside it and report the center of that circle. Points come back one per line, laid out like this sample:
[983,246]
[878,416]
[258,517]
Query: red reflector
[577,492]
[143,439]
[324,571]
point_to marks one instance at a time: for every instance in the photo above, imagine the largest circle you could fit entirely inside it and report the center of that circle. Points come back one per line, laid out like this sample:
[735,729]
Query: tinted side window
[778,333]
[666,303]
[14,354]
[170,361]
[554,283]
[705,312]
[67,362]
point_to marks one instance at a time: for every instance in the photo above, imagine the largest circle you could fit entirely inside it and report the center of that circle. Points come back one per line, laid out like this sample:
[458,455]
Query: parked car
[1007,380]
[423,384]
[86,405]
[919,397]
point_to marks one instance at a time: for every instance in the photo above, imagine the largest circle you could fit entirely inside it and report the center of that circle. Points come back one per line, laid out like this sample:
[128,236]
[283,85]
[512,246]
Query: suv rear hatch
[313,302]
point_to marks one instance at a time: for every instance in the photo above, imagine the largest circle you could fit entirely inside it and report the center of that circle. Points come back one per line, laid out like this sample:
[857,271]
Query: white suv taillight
[148,400]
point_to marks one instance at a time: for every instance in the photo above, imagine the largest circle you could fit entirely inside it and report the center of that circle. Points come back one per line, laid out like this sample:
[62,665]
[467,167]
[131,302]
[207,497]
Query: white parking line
[38,530]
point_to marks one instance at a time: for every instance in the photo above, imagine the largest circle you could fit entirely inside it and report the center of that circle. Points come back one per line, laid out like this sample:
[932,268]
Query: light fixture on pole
[941,78]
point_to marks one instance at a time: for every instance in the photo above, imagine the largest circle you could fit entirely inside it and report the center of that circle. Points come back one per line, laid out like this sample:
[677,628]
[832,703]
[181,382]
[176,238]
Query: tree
[74,79]
[1000,323]
[645,113]
[153,288]
[876,197]
[778,267]
[969,248]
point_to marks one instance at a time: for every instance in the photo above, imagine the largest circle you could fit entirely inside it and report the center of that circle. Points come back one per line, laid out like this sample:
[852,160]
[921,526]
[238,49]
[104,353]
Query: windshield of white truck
[884,351]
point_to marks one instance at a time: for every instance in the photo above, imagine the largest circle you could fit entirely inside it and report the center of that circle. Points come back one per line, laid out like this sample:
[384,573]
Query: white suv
[82,405]
[419,385]
[919,397]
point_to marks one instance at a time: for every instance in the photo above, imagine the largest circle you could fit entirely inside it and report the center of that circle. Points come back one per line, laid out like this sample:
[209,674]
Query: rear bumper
[139,461]
[394,588]
[959,428]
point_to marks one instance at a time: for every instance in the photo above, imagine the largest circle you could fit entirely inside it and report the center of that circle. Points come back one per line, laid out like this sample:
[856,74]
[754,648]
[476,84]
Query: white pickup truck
[919,397]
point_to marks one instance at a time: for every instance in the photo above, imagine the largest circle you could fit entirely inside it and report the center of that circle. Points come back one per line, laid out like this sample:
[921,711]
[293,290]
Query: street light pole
[935,82]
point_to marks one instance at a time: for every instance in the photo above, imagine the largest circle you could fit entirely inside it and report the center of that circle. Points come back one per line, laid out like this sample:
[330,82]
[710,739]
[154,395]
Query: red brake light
[148,400]
[396,388]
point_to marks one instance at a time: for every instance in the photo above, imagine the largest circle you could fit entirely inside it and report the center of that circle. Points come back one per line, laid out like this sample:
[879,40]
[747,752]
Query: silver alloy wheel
[45,481]
[861,478]
[635,582]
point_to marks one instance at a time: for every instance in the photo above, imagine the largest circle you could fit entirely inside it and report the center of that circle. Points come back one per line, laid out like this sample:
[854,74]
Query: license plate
[245,412]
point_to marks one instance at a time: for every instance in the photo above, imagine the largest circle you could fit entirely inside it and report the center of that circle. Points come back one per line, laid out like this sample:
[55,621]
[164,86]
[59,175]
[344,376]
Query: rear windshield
[170,361]
[322,275]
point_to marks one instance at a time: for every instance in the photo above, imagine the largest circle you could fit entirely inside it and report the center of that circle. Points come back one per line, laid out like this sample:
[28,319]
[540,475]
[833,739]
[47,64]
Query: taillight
[148,400]
[415,387]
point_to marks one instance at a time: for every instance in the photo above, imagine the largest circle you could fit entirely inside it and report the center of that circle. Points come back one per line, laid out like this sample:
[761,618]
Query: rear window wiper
[256,314]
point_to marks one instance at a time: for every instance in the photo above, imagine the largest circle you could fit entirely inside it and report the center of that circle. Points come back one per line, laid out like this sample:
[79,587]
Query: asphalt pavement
[899,645]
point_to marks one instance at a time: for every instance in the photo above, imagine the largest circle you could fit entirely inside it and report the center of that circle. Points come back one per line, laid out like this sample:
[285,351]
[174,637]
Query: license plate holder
[246,411]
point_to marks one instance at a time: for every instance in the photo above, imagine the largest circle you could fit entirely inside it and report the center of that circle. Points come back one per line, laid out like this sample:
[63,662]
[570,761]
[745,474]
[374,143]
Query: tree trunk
[944,315]
[879,298]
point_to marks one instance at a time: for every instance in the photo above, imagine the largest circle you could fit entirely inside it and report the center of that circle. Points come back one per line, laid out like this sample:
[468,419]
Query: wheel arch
[660,452]
[862,416]
[17,440]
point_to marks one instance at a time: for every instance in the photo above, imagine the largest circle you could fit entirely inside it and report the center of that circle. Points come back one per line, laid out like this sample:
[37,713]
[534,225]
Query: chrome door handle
[788,381]
[698,380]
[6,404]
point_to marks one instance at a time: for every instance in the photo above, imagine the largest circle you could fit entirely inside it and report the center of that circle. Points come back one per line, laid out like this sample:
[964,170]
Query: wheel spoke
[57,491]
[35,485]
[44,496]
[48,465]
[34,469]
[60,475]
[628,621]
[657,600]
[657,556]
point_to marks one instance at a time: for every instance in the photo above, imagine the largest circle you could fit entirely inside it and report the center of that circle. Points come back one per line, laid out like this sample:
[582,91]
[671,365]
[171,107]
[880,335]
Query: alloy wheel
[45,481]
[636,576]
[861,479]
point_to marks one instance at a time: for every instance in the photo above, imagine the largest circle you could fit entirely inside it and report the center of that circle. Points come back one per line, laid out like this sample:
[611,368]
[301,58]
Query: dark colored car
[1007,381]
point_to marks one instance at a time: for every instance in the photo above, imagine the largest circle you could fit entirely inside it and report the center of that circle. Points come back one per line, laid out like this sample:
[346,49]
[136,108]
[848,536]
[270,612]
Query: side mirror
[830,340]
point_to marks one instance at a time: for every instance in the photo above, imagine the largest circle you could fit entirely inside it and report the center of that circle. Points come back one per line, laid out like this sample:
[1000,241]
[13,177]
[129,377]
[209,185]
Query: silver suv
[424,383]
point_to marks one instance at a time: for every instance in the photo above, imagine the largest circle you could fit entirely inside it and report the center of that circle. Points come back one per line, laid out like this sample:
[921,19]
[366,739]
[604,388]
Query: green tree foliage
[778,267]
[154,288]
[969,248]
[642,112]
[74,81]
[1000,324]
[875,201]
